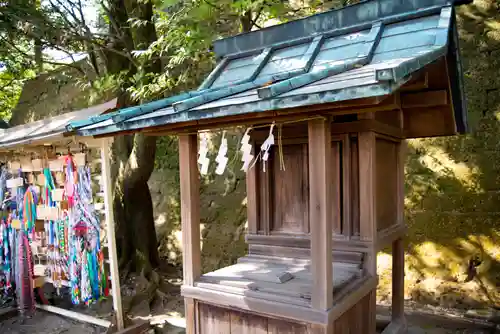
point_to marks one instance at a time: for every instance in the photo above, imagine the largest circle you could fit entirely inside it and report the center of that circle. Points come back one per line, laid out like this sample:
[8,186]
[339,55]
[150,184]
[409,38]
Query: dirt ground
[167,315]
[46,323]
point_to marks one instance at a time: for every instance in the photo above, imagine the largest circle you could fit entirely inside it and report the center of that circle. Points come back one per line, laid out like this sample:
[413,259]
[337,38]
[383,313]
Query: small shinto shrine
[340,92]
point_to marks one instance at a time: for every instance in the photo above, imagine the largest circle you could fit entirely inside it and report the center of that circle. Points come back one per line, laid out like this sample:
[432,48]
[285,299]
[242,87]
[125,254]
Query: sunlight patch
[440,162]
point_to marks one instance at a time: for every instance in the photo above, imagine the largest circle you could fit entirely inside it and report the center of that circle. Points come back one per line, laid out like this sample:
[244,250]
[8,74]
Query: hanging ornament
[69,186]
[246,150]
[221,156]
[203,160]
[266,146]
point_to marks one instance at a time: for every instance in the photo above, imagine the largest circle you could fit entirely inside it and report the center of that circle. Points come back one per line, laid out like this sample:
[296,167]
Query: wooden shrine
[344,89]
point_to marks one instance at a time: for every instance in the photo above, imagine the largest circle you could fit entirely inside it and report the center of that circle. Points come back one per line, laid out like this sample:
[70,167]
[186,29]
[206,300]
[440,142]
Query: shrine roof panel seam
[371,57]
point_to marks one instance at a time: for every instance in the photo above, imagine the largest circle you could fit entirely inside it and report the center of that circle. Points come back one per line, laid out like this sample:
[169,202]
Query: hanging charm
[266,146]
[221,156]
[246,150]
[203,160]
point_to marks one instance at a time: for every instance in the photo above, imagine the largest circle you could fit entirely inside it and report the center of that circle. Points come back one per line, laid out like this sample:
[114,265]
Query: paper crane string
[222,159]
[29,217]
[69,186]
[203,160]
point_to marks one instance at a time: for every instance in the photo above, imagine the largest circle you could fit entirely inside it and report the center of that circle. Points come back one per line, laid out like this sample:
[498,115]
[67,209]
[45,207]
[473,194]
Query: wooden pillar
[190,219]
[367,184]
[398,280]
[252,204]
[367,214]
[398,251]
[320,197]
[110,230]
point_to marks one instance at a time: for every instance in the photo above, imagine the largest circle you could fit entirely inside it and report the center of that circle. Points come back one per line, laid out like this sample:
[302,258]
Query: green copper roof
[365,50]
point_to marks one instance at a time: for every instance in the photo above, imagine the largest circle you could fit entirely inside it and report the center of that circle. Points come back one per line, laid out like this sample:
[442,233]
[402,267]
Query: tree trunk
[134,155]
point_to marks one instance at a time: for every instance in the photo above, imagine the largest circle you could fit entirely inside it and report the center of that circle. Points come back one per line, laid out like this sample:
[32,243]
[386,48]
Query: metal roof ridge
[371,41]
[438,49]
[346,18]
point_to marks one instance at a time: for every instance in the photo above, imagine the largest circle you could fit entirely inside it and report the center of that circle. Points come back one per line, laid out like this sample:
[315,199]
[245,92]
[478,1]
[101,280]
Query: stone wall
[453,186]
[223,206]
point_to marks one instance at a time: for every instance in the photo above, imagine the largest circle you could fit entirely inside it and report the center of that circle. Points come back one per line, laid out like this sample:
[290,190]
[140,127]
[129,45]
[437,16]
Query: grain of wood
[367,175]
[398,273]
[289,193]
[190,219]
[320,197]
[214,320]
[190,311]
[110,230]
[245,323]
[190,206]
[346,189]
[276,326]
[252,198]
[354,185]
[265,202]
[336,181]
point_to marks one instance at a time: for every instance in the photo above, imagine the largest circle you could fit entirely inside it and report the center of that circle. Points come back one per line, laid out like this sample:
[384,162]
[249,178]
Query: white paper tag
[14,183]
[221,156]
[51,213]
[37,165]
[26,165]
[57,195]
[203,160]
[56,165]
[264,148]
[246,151]
[40,180]
[79,159]
[41,212]
[14,166]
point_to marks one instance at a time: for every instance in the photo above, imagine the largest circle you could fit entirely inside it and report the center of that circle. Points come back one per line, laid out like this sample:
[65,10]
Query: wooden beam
[366,125]
[110,230]
[398,280]
[190,311]
[252,198]
[282,115]
[367,191]
[336,179]
[190,208]
[190,220]
[346,189]
[265,201]
[424,99]
[320,201]
[418,81]
[75,315]
[367,175]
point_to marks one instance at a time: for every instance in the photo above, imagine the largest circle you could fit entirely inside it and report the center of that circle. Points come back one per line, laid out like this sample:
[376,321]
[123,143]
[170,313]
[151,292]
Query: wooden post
[398,280]
[398,251]
[252,199]
[110,230]
[190,220]
[320,202]
[367,214]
